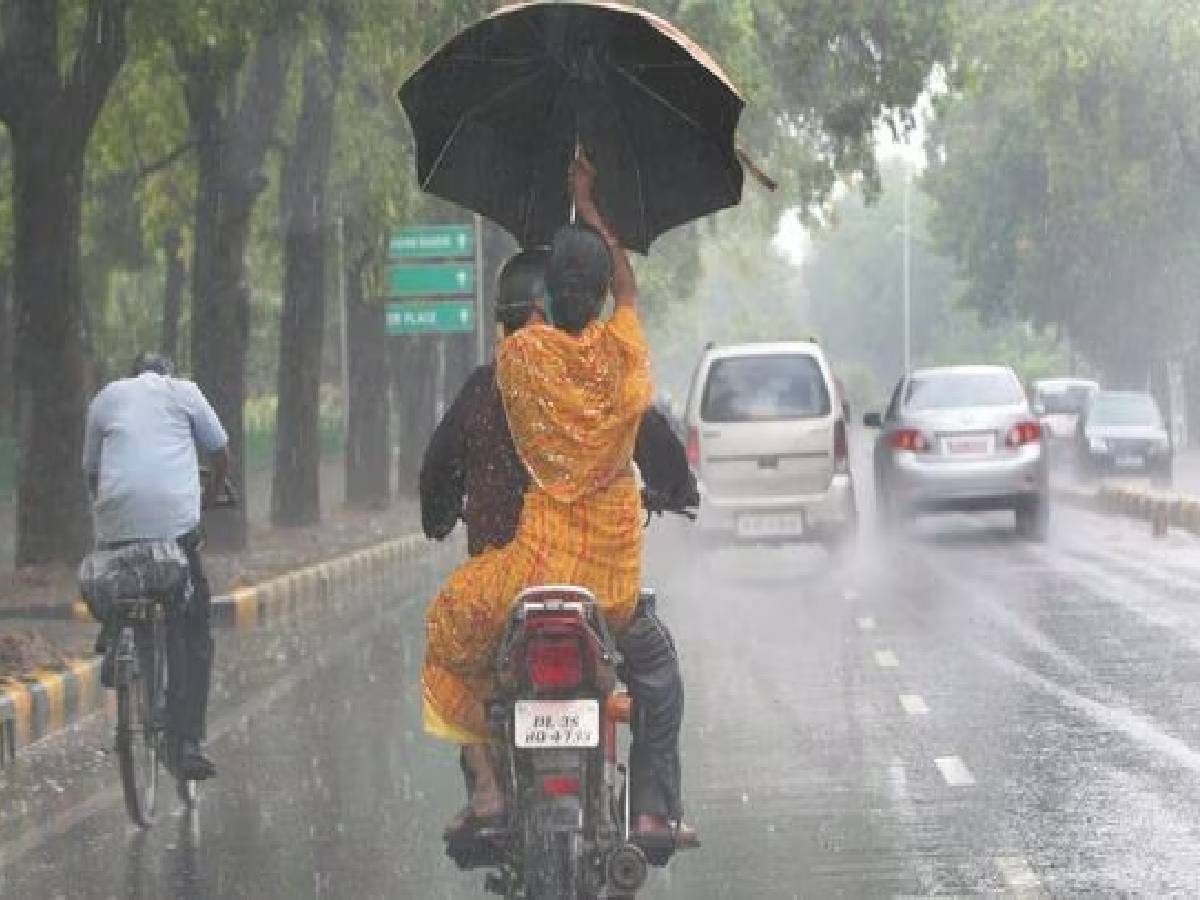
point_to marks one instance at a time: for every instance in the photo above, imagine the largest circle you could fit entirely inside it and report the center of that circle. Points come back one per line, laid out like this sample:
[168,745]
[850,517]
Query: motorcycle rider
[472,453]
[140,457]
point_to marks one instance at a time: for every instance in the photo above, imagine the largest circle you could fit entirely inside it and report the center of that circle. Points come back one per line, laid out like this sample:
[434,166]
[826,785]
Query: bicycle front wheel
[137,730]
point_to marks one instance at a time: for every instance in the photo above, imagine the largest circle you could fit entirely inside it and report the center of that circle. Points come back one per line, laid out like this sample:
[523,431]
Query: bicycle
[133,587]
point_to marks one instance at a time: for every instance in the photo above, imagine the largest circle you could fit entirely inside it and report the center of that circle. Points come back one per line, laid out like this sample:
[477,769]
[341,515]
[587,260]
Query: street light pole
[907,273]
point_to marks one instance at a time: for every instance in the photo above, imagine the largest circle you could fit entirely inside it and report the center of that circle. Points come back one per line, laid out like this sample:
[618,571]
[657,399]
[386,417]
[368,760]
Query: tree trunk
[368,473]
[415,364]
[7,369]
[172,294]
[53,520]
[50,115]
[231,145]
[296,485]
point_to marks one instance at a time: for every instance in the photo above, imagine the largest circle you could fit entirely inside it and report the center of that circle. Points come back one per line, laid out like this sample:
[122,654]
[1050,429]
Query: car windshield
[957,390]
[1064,401]
[764,389]
[1125,409]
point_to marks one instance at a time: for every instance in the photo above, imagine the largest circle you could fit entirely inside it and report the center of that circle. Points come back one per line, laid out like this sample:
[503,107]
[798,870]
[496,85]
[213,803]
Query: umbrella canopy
[498,111]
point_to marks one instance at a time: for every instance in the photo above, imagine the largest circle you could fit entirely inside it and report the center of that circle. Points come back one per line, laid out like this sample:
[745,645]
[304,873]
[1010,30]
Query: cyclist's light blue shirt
[141,440]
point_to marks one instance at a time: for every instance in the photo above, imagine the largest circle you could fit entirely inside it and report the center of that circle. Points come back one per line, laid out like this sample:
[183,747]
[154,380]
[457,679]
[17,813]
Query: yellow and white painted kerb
[38,704]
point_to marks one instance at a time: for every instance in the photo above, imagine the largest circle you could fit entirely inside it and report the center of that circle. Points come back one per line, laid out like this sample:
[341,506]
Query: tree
[296,489]
[50,112]
[232,115]
[1064,176]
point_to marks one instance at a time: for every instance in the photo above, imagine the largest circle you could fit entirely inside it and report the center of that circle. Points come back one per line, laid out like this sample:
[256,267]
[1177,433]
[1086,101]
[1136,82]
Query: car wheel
[1033,518]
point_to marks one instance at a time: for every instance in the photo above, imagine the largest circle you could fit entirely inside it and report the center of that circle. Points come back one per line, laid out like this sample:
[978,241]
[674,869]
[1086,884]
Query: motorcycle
[557,719]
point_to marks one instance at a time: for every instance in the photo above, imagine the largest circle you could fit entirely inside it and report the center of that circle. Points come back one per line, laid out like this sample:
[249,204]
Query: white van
[767,440]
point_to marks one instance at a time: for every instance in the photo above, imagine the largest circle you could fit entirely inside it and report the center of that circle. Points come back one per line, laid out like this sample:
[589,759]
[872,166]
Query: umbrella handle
[750,166]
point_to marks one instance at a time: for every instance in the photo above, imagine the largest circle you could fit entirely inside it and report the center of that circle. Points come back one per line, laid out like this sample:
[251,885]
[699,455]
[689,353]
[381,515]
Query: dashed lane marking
[866,623]
[1018,877]
[954,771]
[886,659]
[914,704]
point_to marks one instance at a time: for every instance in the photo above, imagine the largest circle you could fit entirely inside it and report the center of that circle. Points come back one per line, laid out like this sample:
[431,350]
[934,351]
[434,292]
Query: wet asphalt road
[951,713]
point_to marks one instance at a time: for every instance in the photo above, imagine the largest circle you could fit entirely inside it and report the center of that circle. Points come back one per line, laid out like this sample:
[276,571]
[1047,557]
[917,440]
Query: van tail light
[1024,433]
[560,785]
[841,447]
[554,663]
[693,447]
[910,440]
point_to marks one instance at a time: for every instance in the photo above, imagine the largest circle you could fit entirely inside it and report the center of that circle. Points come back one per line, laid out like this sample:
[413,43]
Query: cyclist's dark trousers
[651,672]
[190,651]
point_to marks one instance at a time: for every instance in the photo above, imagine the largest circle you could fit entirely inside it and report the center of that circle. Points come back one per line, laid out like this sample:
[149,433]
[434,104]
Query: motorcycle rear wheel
[551,868]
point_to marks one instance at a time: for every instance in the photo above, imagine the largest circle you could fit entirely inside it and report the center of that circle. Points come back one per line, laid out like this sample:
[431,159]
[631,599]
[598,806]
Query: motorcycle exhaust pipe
[627,869]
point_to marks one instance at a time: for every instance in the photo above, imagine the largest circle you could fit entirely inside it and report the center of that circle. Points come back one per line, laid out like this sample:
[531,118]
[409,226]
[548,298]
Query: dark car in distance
[1123,433]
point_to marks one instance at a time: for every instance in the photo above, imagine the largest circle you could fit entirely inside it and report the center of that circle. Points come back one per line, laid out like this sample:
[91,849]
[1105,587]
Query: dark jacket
[472,455]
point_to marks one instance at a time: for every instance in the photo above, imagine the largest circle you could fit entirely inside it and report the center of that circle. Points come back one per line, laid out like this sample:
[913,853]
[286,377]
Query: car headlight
[1098,445]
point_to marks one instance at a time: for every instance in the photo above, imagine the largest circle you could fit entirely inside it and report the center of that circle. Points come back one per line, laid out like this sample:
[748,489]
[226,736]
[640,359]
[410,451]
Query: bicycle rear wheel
[137,731]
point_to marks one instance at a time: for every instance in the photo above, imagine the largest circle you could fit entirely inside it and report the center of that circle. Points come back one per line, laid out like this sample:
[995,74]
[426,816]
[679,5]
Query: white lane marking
[1018,876]
[954,771]
[914,704]
[866,623]
[886,659]
[850,595]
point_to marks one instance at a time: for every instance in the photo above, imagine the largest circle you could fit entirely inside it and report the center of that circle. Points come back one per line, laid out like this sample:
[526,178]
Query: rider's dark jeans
[190,650]
[651,672]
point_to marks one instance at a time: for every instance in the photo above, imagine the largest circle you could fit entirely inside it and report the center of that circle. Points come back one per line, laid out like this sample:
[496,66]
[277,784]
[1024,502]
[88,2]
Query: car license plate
[557,723]
[770,526]
[1130,462]
[968,445]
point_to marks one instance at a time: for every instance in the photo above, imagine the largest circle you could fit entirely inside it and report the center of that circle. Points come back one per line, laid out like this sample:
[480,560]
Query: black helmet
[152,361]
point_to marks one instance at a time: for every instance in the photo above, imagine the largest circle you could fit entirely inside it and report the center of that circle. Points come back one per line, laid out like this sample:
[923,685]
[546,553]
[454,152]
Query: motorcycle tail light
[693,448]
[1024,433]
[910,440]
[560,785]
[554,663]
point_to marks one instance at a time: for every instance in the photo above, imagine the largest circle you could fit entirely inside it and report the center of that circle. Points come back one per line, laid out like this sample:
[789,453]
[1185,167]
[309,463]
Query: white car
[767,440]
[1057,402]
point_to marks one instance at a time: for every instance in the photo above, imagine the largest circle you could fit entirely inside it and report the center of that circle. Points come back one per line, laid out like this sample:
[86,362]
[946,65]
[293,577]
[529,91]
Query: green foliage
[1065,178]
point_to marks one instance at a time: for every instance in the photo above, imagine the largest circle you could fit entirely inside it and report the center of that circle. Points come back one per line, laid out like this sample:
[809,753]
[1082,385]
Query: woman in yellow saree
[574,390]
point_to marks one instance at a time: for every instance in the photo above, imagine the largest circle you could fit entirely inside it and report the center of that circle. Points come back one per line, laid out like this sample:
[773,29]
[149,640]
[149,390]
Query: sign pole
[481,354]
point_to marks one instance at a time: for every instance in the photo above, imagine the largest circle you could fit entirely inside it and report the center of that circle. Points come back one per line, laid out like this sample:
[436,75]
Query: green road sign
[430,317]
[435,280]
[433,242]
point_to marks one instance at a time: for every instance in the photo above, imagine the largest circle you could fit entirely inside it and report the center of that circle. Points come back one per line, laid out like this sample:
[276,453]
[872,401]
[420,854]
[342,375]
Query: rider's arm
[583,184]
[443,469]
[210,438]
[218,467]
[93,437]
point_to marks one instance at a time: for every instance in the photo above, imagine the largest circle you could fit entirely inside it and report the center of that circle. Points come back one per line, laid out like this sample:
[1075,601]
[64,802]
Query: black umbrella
[499,110]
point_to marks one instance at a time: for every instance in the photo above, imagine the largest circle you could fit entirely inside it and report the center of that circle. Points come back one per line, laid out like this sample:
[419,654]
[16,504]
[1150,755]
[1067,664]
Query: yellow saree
[574,403]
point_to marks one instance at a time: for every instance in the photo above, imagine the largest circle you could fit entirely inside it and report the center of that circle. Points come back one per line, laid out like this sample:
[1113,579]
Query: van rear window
[764,389]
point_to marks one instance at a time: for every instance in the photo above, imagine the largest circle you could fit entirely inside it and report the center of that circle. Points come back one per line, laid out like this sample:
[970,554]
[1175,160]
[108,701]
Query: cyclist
[140,456]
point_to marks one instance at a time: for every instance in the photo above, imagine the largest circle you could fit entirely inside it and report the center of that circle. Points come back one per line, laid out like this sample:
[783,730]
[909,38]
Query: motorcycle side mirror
[872,420]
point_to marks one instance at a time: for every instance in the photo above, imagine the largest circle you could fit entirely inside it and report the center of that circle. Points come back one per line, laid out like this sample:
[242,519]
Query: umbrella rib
[470,113]
[626,131]
[659,98]
[654,95]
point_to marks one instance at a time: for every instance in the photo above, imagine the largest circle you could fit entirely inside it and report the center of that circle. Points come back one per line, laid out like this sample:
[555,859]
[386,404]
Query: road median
[1163,507]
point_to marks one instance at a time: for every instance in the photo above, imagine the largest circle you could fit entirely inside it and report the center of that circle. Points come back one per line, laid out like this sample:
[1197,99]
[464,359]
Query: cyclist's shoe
[104,638]
[192,764]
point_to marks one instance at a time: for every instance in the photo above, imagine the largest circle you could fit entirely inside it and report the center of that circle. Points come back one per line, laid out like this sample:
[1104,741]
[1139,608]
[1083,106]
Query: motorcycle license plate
[556,723]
